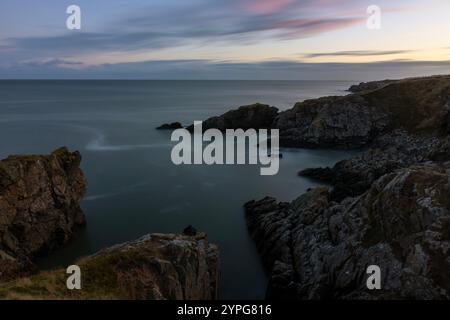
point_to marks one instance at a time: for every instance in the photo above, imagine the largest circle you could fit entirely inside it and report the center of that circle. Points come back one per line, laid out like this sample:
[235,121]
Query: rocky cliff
[416,105]
[39,210]
[387,206]
[319,249]
[39,207]
[155,267]
[256,116]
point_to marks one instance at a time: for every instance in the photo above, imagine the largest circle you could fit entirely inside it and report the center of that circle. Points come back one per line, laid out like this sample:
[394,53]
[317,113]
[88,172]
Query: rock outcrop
[336,122]
[320,249]
[389,152]
[418,106]
[256,116]
[370,86]
[170,126]
[39,207]
[155,267]
[388,206]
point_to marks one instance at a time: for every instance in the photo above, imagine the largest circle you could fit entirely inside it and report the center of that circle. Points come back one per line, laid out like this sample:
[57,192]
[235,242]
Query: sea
[133,186]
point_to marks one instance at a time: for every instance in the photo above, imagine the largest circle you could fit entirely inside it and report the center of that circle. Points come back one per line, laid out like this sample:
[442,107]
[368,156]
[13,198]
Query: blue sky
[224,39]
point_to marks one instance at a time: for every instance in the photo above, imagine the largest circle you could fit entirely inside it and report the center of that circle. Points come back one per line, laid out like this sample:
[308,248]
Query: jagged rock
[418,105]
[318,249]
[389,152]
[256,116]
[345,122]
[441,152]
[155,267]
[170,126]
[39,207]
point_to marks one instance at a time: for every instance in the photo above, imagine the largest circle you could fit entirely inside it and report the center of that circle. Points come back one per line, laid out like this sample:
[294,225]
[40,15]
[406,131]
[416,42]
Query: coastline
[390,144]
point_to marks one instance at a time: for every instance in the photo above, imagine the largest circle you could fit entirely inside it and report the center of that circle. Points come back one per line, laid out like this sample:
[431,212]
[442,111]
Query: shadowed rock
[170,126]
[255,116]
[39,207]
[155,267]
[319,249]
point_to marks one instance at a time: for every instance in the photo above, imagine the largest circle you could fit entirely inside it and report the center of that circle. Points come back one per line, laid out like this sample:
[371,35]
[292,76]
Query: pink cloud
[266,6]
[310,27]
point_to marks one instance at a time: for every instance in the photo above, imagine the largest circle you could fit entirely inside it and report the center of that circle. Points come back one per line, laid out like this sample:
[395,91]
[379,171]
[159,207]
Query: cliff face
[156,267]
[346,122]
[418,105]
[388,206]
[317,248]
[39,207]
[256,116]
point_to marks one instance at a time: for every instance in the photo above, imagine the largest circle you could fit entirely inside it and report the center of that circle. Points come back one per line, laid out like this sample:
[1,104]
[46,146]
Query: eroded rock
[39,207]
[256,116]
[318,249]
[155,267]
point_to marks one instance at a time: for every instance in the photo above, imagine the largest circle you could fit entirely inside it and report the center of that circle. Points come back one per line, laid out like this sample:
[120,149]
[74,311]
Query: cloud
[206,21]
[222,70]
[361,53]
[50,63]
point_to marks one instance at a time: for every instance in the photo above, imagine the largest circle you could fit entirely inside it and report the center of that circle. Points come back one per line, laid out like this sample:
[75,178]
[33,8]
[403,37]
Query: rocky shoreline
[154,267]
[387,206]
[40,210]
[39,207]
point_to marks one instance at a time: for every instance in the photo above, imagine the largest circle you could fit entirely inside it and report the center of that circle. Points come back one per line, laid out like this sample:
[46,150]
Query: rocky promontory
[154,267]
[39,211]
[319,249]
[256,116]
[170,126]
[387,206]
[416,105]
[39,207]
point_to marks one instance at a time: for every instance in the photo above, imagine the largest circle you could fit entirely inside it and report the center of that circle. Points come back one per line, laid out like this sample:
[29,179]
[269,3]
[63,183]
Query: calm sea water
[134,188]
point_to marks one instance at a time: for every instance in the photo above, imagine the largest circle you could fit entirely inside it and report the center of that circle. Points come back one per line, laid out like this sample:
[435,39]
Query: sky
[224,39]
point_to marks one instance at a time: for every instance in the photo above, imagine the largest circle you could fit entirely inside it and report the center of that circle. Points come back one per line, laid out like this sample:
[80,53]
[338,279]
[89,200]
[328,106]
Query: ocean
[133,187]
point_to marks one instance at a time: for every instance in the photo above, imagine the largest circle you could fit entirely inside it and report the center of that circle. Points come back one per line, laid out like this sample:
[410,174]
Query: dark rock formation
[369,86]
[418,106]
[318,249]
[155,267]
[256,116]
[39,207]
[170,126]
[389,152]
[441,152]
[335,122]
